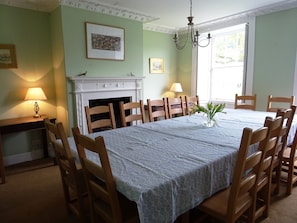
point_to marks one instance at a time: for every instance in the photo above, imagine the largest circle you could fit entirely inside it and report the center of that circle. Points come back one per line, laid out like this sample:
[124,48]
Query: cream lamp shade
[176,87]
[35,94]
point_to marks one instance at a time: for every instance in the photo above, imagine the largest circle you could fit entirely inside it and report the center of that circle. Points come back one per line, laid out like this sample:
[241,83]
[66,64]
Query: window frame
[249,65]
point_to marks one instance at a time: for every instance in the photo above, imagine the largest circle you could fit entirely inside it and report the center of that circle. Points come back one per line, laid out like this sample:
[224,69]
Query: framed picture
[105,42]
[7,56]
[156,65]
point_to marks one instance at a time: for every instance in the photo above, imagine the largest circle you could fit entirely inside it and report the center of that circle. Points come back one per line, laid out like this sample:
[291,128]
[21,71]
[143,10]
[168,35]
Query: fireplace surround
[86,89]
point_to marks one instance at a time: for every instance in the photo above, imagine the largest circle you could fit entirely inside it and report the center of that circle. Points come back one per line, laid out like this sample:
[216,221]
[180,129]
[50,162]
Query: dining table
[170,166]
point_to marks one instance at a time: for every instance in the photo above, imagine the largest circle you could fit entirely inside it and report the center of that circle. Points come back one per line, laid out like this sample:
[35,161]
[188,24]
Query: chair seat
[287,152]
[214,205]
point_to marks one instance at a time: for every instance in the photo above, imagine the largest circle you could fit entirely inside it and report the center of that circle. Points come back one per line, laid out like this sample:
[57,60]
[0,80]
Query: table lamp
[35,94]
[176,87]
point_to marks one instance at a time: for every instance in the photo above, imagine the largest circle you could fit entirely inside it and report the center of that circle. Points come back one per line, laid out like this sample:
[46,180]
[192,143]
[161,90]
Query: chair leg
[289,180]
[277,179]
[266,197]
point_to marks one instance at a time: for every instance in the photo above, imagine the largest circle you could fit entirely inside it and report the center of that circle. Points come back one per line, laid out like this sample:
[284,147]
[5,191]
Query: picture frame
[104,42]
[7,56]
[156,65]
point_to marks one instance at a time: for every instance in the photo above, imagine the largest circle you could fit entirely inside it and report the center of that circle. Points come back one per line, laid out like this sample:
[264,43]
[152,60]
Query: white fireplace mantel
[90,88]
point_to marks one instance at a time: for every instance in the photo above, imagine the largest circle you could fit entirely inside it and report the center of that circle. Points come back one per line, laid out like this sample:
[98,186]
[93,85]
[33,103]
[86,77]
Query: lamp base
[36,115]
[36,109]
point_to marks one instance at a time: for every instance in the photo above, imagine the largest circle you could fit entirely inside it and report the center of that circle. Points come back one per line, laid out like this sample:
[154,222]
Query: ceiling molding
[148,20]
[109,10]
[158,28]
[244,16]
[228,20]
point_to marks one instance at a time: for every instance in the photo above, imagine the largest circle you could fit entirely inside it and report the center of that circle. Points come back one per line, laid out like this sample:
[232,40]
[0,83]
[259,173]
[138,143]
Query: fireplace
[88,90]
[116,108]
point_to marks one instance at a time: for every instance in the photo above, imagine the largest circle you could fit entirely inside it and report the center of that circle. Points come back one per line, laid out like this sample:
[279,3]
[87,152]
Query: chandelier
[192,34]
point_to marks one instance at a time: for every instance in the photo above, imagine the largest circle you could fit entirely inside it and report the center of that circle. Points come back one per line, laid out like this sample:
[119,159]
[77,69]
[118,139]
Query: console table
[20,125]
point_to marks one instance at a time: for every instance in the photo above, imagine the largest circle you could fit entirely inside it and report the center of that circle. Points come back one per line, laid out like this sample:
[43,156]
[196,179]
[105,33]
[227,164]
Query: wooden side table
[21,125]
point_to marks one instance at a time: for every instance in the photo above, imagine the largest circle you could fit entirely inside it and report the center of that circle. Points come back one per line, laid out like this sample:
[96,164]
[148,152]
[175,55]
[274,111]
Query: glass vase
[209,122]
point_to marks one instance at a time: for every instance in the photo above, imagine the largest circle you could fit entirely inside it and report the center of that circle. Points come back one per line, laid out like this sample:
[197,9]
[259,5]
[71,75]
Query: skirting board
[24,157]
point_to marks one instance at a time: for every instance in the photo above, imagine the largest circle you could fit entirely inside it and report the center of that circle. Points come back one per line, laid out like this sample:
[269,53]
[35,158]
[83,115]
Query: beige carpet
[36,196]
[283,208]
[33,196]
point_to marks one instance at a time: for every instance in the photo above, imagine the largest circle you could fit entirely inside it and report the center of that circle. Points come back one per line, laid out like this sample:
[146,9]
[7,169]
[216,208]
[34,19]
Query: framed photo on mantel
[105,42]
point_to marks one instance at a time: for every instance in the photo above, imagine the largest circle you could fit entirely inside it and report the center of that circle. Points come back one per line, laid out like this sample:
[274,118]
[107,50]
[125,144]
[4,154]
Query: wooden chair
[289,169]
[75,190]
[268,148]
[190,101]
[245,102]
[175,107]
[157,109]
[274,103]
[287,115]
[132,113]
[106,204]
[230,204]
[100,118]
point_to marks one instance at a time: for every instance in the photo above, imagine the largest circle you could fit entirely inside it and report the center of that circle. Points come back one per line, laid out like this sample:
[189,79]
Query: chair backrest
[175,107]
[288,116]
[268,148]
[275,129]
[292,156]
[61,147]
[293,149]
[245,102]
[157,109]
[72,178]
[243,187]
[132,112]
[103,196]
[190,101]
[289,165]
[100,118]
[274,103]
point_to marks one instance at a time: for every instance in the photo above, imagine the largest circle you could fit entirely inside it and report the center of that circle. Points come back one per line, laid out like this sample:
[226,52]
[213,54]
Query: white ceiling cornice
[244,16]
[109,10]
[228,20]
[146,19]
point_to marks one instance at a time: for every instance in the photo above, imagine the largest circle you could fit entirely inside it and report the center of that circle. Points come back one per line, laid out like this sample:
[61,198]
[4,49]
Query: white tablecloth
[170,166]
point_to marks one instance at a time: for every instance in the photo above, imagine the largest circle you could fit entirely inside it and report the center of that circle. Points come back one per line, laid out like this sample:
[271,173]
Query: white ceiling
[167,13]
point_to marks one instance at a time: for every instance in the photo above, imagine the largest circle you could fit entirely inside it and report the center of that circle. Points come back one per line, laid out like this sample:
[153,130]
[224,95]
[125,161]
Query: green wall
[73,25]
[184,58]
[73,31]
[59,67]
[275,55]
[158,45]
[29,31]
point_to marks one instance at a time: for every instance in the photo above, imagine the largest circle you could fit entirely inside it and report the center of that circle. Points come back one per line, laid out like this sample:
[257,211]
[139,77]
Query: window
[221,65]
